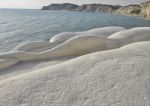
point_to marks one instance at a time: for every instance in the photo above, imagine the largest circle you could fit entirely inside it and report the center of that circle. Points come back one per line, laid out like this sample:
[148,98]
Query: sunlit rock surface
[140,10]
[82,70]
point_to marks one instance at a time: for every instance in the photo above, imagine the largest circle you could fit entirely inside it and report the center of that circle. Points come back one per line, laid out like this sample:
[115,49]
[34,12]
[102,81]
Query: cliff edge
[140,10]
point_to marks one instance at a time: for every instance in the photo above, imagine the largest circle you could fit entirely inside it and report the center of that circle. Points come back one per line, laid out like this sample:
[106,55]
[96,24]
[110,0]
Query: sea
[19,26]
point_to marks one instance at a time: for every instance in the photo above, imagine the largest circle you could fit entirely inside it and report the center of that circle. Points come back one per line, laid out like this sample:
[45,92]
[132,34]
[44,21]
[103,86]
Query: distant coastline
[139,10]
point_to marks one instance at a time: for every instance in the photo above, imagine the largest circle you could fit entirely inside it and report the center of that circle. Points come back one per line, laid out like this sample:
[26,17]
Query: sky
[37,4]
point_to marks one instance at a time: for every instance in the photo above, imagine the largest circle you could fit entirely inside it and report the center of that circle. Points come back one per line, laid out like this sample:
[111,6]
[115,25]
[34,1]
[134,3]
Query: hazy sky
[40,3]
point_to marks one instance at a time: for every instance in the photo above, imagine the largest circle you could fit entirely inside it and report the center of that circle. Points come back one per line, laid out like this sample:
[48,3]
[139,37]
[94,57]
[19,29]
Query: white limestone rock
[118,77]
[104,31]
[7,62]
[132,35]
[61,37]
[35,46]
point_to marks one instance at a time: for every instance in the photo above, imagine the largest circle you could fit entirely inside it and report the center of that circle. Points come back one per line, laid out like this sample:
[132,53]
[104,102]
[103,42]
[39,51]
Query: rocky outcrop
[65,6]
[97,8]
[141,10]
[84,7]
[145,7]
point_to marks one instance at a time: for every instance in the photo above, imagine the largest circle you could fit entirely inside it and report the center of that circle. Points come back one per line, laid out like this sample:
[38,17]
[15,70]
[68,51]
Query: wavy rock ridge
[75,44]
[115,73]
[61,45]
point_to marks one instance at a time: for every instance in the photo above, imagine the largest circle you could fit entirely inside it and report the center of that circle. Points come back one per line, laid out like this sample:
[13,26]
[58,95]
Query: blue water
[20,26]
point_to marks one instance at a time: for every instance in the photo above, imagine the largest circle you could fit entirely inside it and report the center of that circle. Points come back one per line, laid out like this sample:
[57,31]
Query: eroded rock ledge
[141,10]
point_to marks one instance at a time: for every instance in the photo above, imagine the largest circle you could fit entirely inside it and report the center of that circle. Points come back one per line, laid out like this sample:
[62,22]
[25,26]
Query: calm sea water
[20,26]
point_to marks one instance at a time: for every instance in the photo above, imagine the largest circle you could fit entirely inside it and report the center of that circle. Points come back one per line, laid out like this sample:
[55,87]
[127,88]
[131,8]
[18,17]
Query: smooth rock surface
[35,46]
[7,62]
[132,35]
[103,31]
[61,37]
[77,45]
[85,70]
[118,77]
